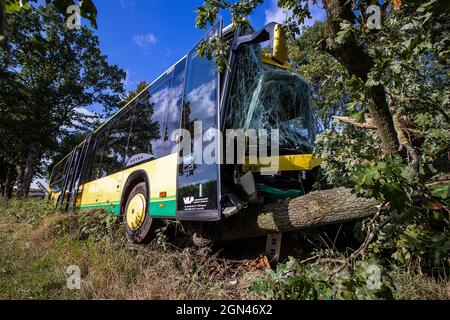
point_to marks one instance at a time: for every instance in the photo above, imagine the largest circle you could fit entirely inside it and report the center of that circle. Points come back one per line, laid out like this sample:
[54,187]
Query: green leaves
[441,191]
[12,6]
[345,32]
[419,226]
[395,195]
[387,181]
[343,151]
[419,241]
[88,9]
[239,10]
[215,48]
[360,116]
[294,280]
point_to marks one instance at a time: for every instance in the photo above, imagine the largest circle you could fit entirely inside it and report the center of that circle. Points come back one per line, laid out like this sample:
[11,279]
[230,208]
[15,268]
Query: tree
[51,75]
[351,54]
[315,209]
[142,85]
[330,82]
[393,81]
[87,10]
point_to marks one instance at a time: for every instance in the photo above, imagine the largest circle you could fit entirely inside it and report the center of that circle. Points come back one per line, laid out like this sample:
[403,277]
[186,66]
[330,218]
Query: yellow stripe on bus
[298,162]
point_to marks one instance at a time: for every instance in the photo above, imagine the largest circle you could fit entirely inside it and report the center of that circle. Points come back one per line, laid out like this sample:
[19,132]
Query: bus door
[198,186]
[109,161]
[81,164]
[72,175]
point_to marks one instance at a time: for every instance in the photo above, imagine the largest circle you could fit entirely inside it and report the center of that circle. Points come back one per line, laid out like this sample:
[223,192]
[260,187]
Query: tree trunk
[379,110]
[20,170]
[28,171]
[312,210]
[355,59]
[10,180]
[3,171]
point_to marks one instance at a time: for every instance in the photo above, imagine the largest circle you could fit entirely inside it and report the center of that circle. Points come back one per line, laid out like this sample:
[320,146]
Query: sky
[146,37]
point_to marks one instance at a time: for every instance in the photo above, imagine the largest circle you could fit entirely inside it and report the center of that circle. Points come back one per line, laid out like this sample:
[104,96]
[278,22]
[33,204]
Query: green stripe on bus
[168,210]
[113,208]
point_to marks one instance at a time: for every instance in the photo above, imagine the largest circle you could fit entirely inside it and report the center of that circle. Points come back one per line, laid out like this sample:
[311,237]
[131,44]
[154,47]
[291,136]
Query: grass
[38,244]
[413,286]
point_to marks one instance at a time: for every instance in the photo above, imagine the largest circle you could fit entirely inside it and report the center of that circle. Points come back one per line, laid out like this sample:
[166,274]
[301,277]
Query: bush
[31,211]
[294,280]
[418,224]
[97,224]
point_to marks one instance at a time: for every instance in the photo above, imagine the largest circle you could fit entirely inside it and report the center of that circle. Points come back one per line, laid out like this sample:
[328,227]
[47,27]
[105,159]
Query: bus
[133,165]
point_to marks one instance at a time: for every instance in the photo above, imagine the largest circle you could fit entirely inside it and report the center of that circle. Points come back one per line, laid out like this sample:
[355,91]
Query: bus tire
[138,223]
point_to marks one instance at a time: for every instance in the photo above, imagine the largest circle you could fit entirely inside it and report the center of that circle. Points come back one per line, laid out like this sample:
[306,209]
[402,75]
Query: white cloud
[203,99]
[160,100]
[128,82]
[127,4]
[145,40]
[275,14]
[81,111]
[85,111]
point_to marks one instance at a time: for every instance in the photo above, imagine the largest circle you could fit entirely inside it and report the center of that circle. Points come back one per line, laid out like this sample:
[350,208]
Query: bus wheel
[138,223]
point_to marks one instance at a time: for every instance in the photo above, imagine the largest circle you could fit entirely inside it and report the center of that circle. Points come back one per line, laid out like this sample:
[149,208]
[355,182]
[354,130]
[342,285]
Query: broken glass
[263,96]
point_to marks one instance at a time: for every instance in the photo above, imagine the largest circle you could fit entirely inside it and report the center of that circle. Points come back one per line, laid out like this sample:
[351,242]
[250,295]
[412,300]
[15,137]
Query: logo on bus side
[138,158]
[188,200]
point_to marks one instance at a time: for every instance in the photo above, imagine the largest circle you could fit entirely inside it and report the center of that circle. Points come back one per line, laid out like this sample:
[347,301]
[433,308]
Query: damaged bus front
[262,112]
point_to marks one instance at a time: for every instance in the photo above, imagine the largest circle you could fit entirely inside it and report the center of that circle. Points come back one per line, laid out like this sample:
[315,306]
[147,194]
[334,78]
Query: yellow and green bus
[133,165]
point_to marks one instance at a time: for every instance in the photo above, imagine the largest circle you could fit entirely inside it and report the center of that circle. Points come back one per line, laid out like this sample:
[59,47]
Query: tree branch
[312,210]
[368,124]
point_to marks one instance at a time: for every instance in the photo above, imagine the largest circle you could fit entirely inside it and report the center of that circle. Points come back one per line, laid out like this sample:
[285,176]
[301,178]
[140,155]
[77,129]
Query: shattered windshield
[266,97]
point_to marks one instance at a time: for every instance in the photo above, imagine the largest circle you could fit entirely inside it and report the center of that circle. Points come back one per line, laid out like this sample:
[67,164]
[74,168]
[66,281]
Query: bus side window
[174,107]
[55,183]
[97,172]
[147,129]
[141,131]
[159,99]
[88,162]
[116,145]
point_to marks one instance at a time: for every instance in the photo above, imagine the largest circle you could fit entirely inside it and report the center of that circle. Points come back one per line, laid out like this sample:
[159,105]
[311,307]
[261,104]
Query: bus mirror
[176,139]
[272,32]
[279,45]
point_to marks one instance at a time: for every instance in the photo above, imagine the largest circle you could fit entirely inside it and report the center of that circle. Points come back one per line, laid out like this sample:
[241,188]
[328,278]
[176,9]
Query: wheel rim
[136,212]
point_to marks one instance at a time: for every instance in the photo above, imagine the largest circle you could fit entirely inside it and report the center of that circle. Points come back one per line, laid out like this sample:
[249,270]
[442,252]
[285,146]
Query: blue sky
[146,37]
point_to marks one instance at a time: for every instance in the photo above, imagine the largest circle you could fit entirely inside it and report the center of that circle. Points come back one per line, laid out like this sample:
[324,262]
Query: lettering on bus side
[193,204]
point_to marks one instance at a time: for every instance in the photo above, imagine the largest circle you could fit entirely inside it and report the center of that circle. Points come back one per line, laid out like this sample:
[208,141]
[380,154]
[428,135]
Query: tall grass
[39,244]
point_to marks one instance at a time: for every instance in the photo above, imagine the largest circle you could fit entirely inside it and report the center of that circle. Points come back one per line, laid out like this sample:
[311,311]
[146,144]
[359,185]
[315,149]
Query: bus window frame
[62,164]
[210,214]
